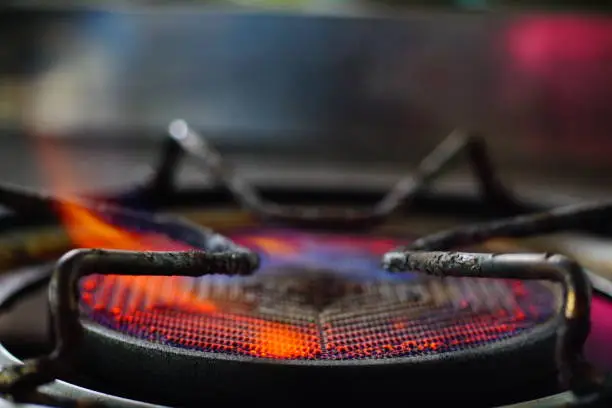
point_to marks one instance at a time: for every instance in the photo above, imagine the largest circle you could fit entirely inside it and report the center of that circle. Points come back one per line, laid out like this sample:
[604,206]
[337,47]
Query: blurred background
[283,86]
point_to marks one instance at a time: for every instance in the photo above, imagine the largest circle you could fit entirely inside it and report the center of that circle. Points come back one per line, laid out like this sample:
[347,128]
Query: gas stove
[161,296]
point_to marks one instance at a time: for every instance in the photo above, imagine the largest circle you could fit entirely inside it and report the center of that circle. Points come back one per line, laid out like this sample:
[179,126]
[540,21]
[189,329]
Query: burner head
[320,306]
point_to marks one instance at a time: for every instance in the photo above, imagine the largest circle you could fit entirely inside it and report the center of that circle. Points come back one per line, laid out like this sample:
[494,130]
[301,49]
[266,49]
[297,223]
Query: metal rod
[64,298]
[31,202]
[437,163]
[163,178]
[578,216]
[576,288]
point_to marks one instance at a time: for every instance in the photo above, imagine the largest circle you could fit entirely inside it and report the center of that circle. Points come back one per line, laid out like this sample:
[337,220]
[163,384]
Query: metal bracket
[571,334]
[437,163]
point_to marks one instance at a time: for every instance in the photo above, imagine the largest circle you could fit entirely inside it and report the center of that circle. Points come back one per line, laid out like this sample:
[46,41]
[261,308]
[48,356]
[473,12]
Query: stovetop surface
[25,330]
[120,164]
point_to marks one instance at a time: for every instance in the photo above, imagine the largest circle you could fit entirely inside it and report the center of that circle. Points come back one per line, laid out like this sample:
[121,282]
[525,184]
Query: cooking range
[239,294]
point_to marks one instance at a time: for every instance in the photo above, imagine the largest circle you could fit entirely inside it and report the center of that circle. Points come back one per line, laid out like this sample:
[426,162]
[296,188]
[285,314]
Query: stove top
[168,296]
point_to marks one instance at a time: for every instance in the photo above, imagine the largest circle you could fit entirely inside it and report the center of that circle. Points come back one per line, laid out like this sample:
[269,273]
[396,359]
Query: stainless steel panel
[381,86]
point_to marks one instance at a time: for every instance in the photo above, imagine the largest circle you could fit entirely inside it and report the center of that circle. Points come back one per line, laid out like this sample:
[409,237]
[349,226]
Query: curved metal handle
[576,287]
[429,169]
[64,298]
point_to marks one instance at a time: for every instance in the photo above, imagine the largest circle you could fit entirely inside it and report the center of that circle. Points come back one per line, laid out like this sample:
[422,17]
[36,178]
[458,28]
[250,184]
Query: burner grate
[318,312]
[364,327]
[327,318]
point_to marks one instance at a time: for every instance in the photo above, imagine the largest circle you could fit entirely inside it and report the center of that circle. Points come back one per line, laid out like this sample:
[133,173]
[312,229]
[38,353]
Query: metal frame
[431,168]
[221,255]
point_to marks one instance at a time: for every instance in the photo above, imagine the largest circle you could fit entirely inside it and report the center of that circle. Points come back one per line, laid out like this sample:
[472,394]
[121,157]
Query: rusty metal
[221,255]
[578,217]
[30,202]
[163,178]
[576,289]
[430,169]
[64,300]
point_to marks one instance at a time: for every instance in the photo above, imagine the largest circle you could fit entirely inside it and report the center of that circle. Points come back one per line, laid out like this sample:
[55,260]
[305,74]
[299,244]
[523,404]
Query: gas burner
[156,309]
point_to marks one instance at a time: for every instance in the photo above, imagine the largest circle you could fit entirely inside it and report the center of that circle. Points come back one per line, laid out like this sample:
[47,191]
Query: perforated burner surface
[317,297]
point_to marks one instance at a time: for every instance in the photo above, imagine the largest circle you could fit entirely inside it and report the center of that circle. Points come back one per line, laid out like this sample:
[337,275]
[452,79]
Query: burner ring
[176,373]
[105,349]
[535,346]
[111,343]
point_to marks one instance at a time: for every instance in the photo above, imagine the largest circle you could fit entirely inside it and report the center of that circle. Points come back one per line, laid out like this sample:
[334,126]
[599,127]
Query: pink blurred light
[536,43]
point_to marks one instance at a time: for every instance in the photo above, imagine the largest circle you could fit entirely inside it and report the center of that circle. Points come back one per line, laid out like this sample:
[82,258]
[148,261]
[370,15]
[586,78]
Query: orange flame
[89,230]
[282,342]
[272,246]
